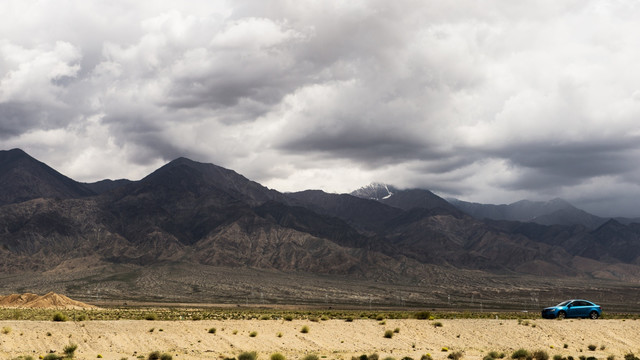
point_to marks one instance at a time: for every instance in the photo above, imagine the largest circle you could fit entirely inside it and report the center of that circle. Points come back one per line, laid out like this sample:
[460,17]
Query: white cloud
[34,75]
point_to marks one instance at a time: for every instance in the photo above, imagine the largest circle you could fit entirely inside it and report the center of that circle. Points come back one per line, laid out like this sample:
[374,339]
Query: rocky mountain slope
[189,215]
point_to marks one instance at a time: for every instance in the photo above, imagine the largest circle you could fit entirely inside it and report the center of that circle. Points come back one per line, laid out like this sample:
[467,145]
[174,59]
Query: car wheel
[562,315]
[594,315]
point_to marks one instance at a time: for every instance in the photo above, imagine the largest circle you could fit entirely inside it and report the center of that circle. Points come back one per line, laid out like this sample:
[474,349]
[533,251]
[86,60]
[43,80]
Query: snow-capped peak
[374,191]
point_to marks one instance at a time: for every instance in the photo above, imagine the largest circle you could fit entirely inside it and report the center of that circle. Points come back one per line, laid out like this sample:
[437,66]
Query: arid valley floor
[330,339]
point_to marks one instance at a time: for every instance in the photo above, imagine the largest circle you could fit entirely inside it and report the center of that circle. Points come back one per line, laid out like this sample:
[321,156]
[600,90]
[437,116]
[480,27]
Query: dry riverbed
[331,339]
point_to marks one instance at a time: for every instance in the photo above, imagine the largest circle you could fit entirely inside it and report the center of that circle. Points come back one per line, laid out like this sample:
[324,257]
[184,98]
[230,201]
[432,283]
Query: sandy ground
[333,339]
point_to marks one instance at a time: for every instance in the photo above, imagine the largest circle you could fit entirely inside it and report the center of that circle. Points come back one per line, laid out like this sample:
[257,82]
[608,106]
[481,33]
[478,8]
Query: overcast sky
[486,101]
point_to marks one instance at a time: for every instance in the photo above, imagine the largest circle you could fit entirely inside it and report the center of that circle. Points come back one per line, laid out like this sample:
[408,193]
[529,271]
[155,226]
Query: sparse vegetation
[540,355]
[52,357]
[520,354]
[310,357]
[253,334]
[171,314]
[453,328]
[6,330]
[630,356]
[388,334]
[422,315]
[426,356]
[248,355]
[59,317]
[396,330]
[305,329]
[493,355]
[277,356]
[69,350]
[456,355]
[151,316]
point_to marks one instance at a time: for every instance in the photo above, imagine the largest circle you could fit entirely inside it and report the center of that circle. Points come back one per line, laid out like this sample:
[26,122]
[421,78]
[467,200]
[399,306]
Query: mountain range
[198,232]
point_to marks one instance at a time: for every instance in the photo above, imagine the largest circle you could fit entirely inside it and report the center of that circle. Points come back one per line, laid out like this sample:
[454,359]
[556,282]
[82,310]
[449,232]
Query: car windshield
[564,303]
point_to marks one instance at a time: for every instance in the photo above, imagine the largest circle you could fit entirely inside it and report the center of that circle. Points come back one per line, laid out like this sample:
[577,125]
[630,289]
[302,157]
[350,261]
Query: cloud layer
[485,101]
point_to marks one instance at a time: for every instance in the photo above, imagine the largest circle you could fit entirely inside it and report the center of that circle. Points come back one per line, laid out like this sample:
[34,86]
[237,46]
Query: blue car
[573,308]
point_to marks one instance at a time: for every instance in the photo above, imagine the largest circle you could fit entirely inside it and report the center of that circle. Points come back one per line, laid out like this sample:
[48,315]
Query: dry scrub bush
[69,350]
[540,355]
[59,317]
[520,354]
[248,355]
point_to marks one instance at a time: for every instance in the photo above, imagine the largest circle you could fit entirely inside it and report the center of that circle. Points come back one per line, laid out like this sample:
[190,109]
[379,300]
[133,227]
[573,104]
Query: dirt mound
[48,301]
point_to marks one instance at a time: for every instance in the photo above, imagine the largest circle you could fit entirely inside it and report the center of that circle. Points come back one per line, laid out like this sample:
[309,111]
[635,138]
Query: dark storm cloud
[359,143]
[18,118]
[21,117]
[551,165]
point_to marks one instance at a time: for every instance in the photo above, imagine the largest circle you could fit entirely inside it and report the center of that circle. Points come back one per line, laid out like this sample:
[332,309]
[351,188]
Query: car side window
[579,303]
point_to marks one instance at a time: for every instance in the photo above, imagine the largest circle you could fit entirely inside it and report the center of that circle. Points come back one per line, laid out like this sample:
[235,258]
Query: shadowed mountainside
[24,178]
[207,216]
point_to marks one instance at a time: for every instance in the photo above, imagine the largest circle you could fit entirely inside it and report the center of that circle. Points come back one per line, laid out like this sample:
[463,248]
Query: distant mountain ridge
[553,212]
[203,215]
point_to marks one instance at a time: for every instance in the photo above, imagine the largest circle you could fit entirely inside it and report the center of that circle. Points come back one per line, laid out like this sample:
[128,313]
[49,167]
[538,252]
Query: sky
[484,101]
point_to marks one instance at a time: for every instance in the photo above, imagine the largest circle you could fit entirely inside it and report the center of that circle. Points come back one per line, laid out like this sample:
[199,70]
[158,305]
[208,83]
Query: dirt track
[335,339]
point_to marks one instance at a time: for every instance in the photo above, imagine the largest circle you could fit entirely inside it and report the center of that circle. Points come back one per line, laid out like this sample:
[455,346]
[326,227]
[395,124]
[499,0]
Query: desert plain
[330,339]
